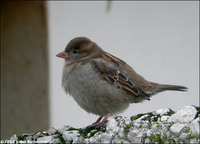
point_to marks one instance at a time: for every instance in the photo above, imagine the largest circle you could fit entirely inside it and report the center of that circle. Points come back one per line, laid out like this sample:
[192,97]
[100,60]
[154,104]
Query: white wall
[158,39]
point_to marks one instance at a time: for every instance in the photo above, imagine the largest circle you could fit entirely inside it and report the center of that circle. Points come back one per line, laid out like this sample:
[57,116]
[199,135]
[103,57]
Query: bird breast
[90,92]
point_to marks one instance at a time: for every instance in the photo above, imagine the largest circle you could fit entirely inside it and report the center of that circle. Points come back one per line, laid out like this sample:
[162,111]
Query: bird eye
[74,52]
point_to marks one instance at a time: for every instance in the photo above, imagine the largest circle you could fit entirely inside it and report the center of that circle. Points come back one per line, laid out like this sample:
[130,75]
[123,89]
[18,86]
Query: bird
[101,83]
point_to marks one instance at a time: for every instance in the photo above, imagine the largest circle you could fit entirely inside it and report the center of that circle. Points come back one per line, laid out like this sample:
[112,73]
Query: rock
[106,138]
[37,135]
[134,136]
[45,139]
[161,126]
[55,141]
[52,130]
[78,140]
[112,126]
[14,137]
[194,127]
[29,138]
[184,136]
[70,136]
[63,129]
[164,118]
[163,111]
[185,114]
[176,128]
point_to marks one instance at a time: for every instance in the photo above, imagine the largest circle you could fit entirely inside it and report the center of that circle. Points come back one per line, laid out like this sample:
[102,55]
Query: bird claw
[99,123]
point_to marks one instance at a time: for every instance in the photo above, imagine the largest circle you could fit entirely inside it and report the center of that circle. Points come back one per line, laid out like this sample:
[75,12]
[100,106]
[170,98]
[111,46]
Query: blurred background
[160,40]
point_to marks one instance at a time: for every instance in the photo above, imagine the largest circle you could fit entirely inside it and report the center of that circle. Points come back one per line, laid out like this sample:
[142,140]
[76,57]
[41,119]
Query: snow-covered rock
[186,114]
[45,139]
[177,128]
[195,126]
[161,126]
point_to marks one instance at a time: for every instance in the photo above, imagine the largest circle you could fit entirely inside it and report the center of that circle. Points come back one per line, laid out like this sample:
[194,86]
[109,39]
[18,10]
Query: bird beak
[63,55]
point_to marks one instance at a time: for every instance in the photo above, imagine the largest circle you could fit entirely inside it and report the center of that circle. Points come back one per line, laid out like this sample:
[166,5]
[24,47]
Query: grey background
[160,40]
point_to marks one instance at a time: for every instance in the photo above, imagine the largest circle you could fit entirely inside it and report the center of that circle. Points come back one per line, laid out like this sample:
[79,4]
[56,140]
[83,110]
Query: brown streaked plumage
[101,83]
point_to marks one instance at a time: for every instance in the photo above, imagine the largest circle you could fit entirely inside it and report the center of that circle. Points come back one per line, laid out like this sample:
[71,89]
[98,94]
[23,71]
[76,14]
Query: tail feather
[172,87]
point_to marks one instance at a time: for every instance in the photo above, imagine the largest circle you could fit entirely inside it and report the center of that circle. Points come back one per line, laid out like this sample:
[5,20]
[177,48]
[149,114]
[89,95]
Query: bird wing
[109,73]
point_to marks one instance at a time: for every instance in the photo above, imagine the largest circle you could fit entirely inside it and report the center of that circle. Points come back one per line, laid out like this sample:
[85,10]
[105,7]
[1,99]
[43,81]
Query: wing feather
[113,76]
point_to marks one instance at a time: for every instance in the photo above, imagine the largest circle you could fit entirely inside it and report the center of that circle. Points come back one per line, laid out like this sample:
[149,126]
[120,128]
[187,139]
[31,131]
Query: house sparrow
[101,83]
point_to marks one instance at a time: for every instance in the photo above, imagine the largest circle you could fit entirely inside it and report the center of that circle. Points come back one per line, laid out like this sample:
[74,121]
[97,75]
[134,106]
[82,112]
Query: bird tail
[164,87]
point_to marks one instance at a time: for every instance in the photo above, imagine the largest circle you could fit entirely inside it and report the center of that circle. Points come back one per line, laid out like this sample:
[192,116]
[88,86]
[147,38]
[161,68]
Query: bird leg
[98,120]
[103,121]
[99,123]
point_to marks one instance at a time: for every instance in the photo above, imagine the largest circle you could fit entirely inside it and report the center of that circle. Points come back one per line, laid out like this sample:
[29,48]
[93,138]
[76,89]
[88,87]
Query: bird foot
[99,123]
